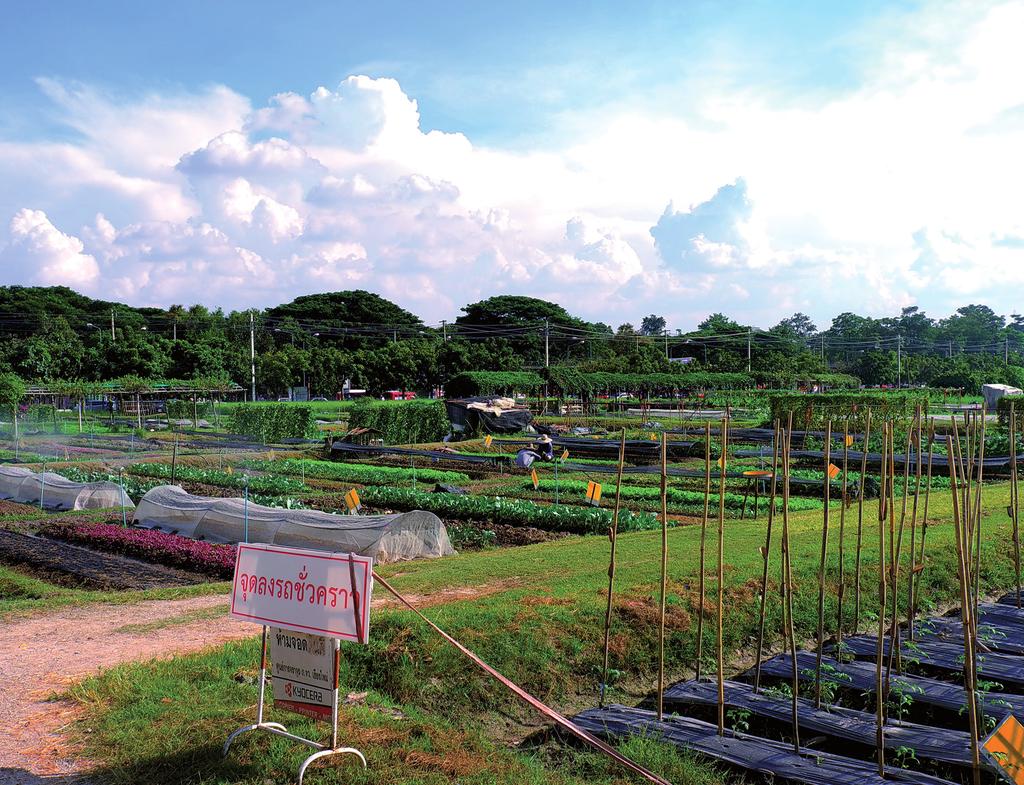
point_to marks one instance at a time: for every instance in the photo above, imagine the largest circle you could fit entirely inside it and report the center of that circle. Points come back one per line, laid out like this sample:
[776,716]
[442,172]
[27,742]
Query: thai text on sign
[303,590]
[304,670]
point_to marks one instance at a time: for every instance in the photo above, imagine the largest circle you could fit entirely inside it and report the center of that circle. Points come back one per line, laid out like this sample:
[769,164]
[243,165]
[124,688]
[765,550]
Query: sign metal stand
[277,729]
[302,628]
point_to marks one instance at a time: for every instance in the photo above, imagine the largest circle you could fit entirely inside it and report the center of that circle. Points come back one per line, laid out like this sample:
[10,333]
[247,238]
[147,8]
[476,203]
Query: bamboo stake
[860,520]
[721,579]
[897,555]
[842,535]
[967,623]
[767,558]
[880,695]
[612,535]
[924,516]
[664,578]
[978,489]
[788,564]
[821,567]
[913,531]
[1014,496]
[703,545]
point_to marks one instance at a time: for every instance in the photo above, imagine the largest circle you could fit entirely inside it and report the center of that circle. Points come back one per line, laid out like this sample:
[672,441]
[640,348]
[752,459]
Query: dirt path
[44,654]
[41,655]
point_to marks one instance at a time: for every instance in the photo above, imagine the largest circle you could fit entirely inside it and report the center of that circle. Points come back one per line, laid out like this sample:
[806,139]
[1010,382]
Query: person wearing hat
[546,448]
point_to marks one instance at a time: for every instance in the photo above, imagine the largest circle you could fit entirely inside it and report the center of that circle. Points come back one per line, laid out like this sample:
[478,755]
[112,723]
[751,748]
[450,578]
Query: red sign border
[366,561]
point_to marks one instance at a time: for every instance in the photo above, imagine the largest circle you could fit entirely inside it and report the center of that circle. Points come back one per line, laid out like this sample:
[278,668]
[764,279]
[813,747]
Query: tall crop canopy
[387,538]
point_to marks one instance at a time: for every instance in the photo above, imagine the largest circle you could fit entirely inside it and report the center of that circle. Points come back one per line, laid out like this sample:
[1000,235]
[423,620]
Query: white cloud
[41,254]
[899,189]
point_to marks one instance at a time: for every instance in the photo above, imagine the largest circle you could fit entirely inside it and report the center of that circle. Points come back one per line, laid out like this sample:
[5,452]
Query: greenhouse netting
[387,538]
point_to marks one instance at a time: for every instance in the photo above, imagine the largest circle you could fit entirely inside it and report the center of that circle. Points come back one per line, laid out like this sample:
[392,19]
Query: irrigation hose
[559,719]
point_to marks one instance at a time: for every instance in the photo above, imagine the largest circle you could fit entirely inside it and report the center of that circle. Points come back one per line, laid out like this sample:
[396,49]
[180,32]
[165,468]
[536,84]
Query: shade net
[57,492]
[387,538]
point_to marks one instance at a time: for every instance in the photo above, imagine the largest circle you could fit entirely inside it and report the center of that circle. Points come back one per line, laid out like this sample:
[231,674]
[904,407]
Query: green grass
[537,617]
[354,472]
[21,594]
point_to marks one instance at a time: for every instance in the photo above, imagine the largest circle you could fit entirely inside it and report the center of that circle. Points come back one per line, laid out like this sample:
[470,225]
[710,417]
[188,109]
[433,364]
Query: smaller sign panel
[352,501]
[1005,747]
[304,673]
[594,493]
[535,478]
[833,471]
[303,590]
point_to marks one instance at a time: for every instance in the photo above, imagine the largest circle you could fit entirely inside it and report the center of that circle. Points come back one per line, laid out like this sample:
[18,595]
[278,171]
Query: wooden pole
[924,516]
[766,553]
[860,520]
[967,623]
[1014,514]
[977,518]
[701,588]
[664,578]
[788,587]
[880,695]
[842,535]
[913,529]
[612,535]
[721,579]
[897,554]
[821,566]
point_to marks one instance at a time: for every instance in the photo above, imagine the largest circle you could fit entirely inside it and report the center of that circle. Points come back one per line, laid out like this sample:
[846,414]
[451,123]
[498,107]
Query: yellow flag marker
[1005,747]
[565,455]
[654,436]
[849,440]
[721,460]
[488,440]
[352,501]
[535,478]
[833,471]
[594,493]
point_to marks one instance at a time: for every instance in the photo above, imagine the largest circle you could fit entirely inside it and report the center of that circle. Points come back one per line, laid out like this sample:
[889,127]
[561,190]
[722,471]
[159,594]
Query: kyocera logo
[300,692]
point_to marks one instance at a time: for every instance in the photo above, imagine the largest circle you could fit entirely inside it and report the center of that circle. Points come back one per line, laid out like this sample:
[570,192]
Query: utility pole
[748,349]
[1006,350]
[666,344]
[113,335]
[252,352]
[175,328]
[949,350]
[899,360]
[444,330]
[822,347]
[547,348]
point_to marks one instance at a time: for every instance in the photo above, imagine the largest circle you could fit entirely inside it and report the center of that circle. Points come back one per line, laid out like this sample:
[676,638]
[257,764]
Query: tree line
[322,340]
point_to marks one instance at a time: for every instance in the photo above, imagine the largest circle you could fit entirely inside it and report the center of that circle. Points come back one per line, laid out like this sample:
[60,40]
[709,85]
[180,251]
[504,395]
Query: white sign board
[304,672]
[303,590]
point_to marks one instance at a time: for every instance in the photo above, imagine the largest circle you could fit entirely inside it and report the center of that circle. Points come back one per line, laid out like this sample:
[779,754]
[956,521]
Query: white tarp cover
[387,538]
[993,392]
[57,492]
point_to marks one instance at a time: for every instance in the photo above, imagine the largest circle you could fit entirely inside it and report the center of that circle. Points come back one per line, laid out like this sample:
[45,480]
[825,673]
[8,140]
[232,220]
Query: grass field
[429,716]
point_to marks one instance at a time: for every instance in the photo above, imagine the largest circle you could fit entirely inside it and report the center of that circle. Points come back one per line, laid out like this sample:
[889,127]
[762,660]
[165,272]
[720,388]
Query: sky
[676,158]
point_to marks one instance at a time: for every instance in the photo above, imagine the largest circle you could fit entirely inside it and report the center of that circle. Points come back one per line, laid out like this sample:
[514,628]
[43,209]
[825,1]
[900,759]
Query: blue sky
[754,157]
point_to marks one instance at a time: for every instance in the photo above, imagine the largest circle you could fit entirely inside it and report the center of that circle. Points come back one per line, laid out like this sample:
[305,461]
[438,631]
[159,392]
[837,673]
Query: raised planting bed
[690,501]
[355,472]
[512,512]
[70,565]
[167,549]
[258,484]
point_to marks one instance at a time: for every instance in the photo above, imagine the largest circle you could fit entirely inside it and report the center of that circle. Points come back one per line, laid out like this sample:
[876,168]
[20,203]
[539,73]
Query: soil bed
[71,565]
